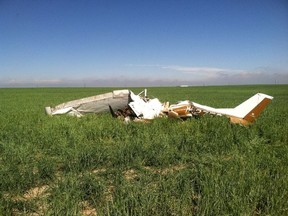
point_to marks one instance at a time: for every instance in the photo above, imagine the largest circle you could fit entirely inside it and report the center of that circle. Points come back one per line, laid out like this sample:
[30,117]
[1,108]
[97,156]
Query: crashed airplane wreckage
[129,106]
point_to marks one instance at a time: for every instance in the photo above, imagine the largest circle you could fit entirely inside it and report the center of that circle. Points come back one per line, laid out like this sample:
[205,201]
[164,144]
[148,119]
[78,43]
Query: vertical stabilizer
[249,110]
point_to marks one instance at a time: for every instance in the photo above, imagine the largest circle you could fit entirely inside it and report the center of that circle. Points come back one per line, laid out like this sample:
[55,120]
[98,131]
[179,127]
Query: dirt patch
[130,174]
[167,170]
[36,192]
[109,193]
[97,171]
[88,210]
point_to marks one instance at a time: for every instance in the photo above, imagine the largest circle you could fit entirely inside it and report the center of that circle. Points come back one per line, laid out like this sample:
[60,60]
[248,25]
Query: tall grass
[63,165]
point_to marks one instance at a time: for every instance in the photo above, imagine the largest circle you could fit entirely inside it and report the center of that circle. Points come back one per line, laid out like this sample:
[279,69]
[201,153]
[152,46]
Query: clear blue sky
[143,43]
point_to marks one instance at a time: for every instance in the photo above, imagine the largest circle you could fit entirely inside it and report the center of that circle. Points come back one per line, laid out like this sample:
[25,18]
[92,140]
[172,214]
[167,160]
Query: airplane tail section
[245,113]
[250,109]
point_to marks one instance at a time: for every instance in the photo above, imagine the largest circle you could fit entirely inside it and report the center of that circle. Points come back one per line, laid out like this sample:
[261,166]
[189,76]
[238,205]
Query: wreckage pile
[129,107]
[126,105]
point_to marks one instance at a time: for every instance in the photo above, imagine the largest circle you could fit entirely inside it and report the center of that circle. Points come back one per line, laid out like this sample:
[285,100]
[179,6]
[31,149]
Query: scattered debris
[126,105]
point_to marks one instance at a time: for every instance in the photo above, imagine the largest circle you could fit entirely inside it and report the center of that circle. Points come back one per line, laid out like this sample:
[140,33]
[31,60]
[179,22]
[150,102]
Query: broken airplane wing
[95,104]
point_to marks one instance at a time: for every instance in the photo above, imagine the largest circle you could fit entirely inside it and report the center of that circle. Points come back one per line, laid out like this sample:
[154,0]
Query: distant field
[92,165]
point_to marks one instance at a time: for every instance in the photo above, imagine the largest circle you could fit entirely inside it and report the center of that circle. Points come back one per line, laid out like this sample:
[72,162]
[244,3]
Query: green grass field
[92,165]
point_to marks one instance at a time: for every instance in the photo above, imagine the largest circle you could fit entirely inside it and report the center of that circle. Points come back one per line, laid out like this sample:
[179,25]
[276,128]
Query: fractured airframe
[126,105]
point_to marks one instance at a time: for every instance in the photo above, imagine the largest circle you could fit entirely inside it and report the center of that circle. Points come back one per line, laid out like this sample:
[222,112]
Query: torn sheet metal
[145,108]
[129,106]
